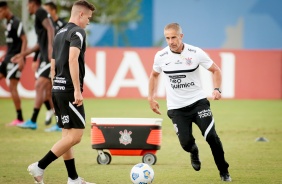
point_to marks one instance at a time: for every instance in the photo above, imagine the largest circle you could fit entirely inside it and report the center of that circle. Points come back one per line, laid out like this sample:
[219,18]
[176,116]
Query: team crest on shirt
[188,61]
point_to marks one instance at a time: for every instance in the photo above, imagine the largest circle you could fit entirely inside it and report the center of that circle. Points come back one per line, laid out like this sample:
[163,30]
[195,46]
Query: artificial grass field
[238,124]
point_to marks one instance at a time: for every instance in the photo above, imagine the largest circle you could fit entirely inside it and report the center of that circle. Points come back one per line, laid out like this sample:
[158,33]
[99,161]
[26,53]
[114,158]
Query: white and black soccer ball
[142,174]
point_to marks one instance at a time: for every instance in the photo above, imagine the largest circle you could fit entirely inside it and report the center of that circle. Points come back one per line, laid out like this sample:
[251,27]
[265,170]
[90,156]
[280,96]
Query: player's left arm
[74,72]
[216,75]
[47,24]
[52,70]
[23,49]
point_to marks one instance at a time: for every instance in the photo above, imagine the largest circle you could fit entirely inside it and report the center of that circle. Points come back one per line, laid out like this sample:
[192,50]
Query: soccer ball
[142,174]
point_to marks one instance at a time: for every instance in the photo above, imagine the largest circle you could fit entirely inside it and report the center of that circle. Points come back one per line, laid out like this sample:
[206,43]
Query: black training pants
[199,113]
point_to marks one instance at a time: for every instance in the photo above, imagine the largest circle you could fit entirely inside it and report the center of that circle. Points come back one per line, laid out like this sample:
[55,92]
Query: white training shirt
[181,74]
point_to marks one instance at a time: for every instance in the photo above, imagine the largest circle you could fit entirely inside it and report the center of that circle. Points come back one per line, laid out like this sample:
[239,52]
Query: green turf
[238,123]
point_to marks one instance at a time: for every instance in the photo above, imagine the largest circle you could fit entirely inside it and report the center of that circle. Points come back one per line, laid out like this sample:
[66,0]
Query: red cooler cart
[126,137]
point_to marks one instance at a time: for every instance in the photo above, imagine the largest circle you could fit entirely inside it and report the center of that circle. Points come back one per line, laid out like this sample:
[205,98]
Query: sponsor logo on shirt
[59,88]
[178,62]
[9,40]
[60,80]
[192,50]
[176,82]
[62,30]
[163,53]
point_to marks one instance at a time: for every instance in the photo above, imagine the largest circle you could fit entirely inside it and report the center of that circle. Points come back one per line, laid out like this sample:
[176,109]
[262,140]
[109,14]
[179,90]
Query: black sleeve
[41,14]
[18,27]
[77,38]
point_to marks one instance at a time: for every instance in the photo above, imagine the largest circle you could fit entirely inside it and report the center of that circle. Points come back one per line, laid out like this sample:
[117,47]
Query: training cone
[261,139]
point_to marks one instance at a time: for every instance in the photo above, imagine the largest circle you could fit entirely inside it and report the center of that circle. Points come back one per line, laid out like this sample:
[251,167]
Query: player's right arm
[47,24]
[153,85]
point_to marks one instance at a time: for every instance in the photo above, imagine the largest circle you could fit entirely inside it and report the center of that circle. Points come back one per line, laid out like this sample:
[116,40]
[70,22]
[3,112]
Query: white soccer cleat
[79,180]
[48,118]
[36,172]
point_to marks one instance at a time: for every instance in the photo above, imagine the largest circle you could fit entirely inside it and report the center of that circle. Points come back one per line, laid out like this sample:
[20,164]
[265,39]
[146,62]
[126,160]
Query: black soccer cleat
[225,177]
[195,161]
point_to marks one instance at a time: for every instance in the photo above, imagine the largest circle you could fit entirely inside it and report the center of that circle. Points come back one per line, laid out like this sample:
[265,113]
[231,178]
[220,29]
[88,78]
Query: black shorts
[68,115]
[43,70]
[10,70]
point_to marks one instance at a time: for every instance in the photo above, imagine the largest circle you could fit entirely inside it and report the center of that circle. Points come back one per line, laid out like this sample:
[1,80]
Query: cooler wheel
[107,159]
[149,158]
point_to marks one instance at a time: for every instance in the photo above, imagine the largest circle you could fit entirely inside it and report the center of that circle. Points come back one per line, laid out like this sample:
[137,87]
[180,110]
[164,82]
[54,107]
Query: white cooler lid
[127,121]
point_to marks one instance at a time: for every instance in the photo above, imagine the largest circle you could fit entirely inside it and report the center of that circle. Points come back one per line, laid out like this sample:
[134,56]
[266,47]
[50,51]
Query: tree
[117,13]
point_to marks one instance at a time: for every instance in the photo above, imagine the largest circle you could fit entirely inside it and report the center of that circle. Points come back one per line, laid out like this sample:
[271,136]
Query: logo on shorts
[65,119]
[205,113]
[175,128]
[125,137]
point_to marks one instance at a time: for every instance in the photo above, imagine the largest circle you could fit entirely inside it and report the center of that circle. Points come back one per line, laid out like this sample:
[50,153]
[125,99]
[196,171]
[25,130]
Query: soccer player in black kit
[67,73]
[45,34]
[16,42]
[58,23]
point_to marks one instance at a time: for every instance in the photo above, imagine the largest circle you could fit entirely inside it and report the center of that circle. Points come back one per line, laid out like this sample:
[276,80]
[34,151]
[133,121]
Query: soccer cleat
[36,172]
[225,177]
[195,161]
[15,122]
[28,124]
[79,180]
[54,128]
[48,118]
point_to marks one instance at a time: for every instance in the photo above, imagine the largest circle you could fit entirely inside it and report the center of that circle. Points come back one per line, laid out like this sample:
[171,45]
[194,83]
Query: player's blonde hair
[174,26]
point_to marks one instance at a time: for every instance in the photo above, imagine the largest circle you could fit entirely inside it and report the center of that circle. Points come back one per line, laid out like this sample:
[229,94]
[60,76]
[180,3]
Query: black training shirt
[13,33]
[58,24]
[42,35]
[69,36]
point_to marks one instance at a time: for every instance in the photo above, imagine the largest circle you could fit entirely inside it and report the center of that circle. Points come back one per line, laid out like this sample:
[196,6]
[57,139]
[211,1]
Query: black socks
[19,115]
[47,104]
[35,114]
[70,165]
[50,157]
[47,159]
